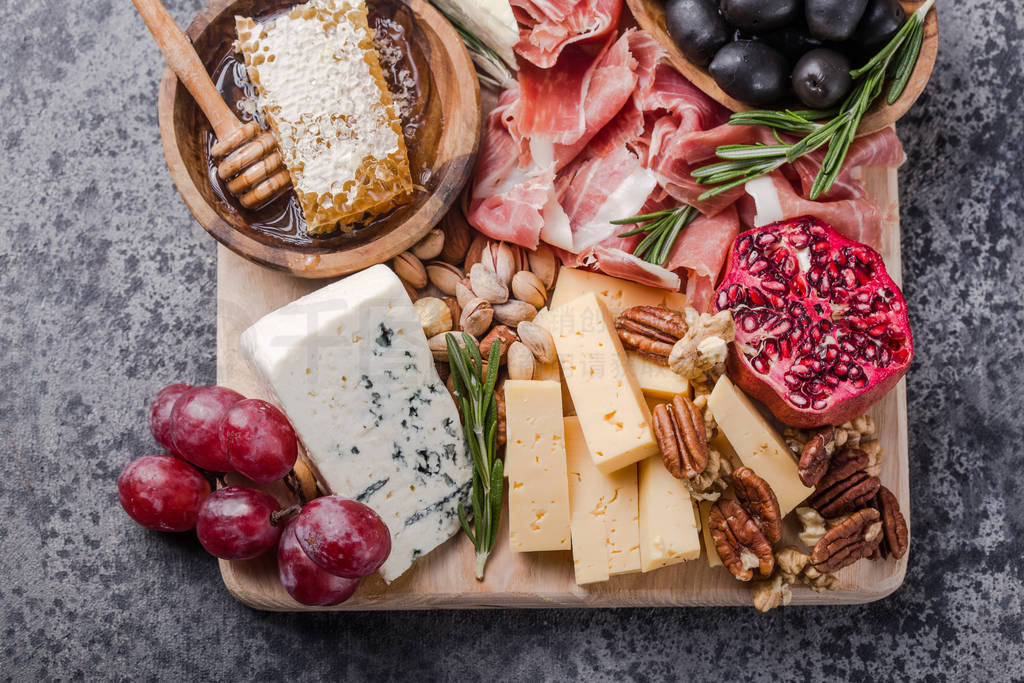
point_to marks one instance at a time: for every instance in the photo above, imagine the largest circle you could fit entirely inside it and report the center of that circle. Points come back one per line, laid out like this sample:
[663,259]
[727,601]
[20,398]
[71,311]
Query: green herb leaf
[661,229]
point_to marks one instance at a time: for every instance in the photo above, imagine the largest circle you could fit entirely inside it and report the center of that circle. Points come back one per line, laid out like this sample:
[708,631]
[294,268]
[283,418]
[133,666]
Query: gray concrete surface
[107,293]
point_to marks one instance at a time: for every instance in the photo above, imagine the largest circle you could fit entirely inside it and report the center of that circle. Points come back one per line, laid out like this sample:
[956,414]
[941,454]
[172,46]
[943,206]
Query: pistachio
[430,246]
[438,344]
[513,312]
[464,292]
[485,284]
[454,308]
[476,317]
[435,316]
[444,276]
[475,251]
[538,340]
[521,363]
[543,264]
[410,269]
[501,335]
[457,236]
[527,287]
[500,260]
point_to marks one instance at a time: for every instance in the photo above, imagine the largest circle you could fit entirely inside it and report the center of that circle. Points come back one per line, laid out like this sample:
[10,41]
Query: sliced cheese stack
[757,444]
[668,524]
[618,295]
[608,400]
[604,508]
[350,366]
[538,494]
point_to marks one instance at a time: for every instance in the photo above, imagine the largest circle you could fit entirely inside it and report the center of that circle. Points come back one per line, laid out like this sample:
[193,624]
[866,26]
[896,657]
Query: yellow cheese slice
[757,444]
[552,371]
[668,524]
[613,413]
[656,380]
[538,493]
[610,498]
[617,295]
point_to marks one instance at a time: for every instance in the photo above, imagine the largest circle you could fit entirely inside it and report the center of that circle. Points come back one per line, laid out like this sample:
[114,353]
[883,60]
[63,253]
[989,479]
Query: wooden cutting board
[444,578]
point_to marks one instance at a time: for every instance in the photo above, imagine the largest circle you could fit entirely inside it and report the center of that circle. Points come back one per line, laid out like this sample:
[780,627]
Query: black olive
[697,28]
[751,72]
[833,19]
[793,41]
[881,20]
[760,16]
[821,78]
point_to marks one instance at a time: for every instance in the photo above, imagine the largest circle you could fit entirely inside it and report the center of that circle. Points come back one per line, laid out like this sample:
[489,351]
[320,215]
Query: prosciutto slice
[773,198]
[878,149]
[547,27]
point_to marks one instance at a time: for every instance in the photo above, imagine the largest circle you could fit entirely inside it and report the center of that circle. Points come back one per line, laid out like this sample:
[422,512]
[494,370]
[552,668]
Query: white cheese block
[350,366]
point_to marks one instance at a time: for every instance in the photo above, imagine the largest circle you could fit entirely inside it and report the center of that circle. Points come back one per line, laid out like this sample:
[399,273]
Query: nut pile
[461,281]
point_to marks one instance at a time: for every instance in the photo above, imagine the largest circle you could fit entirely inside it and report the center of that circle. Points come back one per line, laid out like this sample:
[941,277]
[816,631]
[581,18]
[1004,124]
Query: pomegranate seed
[820,247]
[860,382]
[841,370]
[897,335]
[735,293]
[870,352]
[775,286]
[722,301]
[766,238]
[796,309]
[758,266]
[748,323]
[799,401]
[878,330]
[743,246]
[862,297]
[820,404]
[856,372]
[831,380]
[833,272]
[862,254]
[760,364]
[840,296]
[814,276]
[815,388]
[884,357]
[797,335]
[831,353]
[771,348]
[781,328]
[802,371]
[756,298]
[792,381]
[750,257]
[776,301]
[850,278]
[817,365]
[800,241]
[816,334]
[790,267]
[785,348]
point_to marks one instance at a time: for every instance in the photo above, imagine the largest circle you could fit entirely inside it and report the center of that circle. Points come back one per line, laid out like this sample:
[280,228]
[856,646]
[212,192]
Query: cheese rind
[538,491]
[350,366]
[668,526]
[757,444]
[613,413]
[617,295]
[610,498]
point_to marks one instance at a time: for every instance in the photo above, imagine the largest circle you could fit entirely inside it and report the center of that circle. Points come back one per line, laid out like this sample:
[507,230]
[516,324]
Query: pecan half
[816,456]
[857,537]
[682,438]
[759,501]
[896,536]
[846,486]
[741,545]
[651,331]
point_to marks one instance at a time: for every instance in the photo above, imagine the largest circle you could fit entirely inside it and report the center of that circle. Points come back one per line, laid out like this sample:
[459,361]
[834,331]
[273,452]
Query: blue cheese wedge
[350,366]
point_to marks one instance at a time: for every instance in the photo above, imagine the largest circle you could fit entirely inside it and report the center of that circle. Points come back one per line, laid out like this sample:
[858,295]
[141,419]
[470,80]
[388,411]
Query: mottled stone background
[107,293]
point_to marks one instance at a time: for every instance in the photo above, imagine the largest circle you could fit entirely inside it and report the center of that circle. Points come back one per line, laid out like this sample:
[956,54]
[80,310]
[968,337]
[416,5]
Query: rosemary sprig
[743,163]
[662,228]
[491,68]
[474,390]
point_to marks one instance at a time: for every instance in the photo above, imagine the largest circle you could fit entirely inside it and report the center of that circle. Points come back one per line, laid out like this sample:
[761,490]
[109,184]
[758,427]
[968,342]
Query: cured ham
[878,149]
[547,27]
[773,198]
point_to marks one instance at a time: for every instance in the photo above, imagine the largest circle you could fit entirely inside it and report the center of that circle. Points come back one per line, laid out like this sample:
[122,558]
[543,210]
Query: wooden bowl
[650,14]
[445,150]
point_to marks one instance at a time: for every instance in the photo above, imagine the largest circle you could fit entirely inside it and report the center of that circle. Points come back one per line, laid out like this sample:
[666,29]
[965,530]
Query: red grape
[259,440]
[162,493]
[343,536]
[304,579]
[160,414]
[234,523]
[195,426]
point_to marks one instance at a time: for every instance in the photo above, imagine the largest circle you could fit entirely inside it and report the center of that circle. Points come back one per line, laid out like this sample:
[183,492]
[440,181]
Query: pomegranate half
[821,329]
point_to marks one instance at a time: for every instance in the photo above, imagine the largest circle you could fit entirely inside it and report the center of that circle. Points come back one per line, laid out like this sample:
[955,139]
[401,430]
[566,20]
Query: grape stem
[285,514]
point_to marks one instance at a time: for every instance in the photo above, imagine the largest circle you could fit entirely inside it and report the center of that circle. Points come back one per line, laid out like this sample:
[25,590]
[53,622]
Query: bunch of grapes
[322,552]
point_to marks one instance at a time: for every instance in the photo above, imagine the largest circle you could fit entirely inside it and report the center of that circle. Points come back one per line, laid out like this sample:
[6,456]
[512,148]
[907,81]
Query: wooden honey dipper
[248,157]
